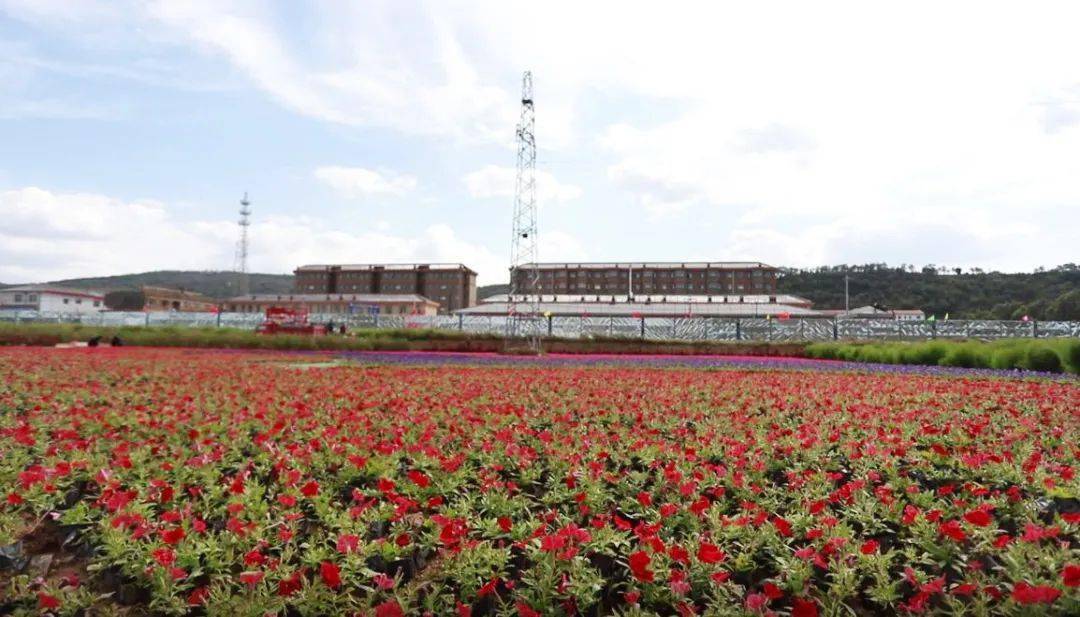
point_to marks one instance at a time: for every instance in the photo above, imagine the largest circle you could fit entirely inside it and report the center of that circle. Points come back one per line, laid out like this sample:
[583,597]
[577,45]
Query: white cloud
[498,181]
[359,182]
[46,235]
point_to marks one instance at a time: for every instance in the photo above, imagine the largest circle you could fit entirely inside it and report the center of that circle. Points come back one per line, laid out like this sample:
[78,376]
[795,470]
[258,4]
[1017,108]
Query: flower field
[149,481]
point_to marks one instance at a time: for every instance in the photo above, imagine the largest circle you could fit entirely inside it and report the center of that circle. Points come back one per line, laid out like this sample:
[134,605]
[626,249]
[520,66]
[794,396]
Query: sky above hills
[797,134]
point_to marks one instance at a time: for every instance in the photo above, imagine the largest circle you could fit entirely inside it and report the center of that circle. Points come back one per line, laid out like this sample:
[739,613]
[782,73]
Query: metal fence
[652,328]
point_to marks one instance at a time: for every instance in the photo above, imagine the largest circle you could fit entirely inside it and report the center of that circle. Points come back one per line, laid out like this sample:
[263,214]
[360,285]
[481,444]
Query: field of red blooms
[140,481]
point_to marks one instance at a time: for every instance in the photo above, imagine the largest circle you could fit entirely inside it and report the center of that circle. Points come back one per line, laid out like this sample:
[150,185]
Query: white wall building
[51,299]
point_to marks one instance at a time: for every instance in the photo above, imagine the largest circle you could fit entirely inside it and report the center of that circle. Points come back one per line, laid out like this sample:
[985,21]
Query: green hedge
[174,336]
[1048,355]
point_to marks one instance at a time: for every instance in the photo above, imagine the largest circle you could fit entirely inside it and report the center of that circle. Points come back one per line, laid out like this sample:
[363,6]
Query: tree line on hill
[1045,294]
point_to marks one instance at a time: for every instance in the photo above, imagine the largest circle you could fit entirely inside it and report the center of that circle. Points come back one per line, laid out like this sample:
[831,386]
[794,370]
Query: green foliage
[1046,355]
[1044,295]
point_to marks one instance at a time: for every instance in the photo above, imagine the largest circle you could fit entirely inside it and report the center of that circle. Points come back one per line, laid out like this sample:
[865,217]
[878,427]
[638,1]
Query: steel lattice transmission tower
[242,284]
[524,322]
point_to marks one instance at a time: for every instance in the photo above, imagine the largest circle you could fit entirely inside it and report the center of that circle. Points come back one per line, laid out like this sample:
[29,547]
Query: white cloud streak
[358,182]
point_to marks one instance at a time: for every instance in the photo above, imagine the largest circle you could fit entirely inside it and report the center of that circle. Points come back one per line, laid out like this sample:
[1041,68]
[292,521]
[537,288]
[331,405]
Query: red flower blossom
[639,565]
[782,526]
[869,547]
[952,529]
[1070,576]
[1025,593]
[348,543]
[331,574]
[710,553]
[390,608]
[198,596]
[47,602]
[310,489]
[803,607]
[173,536]
[979,518]
[419,478]
[250,578]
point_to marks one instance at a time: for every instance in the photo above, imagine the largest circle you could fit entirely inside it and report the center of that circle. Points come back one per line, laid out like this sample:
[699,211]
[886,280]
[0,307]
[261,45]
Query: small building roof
[315,298]
[395,267]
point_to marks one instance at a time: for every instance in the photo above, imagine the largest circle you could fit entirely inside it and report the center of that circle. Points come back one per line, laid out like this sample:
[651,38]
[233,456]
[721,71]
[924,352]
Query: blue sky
[383,131]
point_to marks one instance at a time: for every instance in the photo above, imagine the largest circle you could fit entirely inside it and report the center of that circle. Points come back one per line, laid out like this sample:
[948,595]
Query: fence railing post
[1034,329]
[460,322]
[738,329]
[642,327]
[835,330]
[551,326]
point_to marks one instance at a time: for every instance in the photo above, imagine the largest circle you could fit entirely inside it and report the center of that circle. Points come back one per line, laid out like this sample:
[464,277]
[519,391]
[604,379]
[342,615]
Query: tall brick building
[653,278]
[453,286]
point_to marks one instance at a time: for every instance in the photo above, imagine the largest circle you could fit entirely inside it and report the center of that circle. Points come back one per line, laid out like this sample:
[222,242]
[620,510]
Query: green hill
[1043,294]
[213,284]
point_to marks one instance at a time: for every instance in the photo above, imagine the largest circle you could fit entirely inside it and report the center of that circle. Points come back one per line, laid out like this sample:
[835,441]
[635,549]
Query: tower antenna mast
[242,247]
[523,320]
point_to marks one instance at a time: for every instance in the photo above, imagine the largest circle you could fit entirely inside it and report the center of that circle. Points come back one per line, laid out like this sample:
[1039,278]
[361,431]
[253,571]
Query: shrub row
[370,339]
[1047,355]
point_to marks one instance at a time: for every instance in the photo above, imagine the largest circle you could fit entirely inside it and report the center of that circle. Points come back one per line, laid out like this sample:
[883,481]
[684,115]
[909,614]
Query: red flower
[1071,575]
[172,536]
[505,524]
[639,565]
[979,518]
[488,588]
[772,591]
[419,478]
[802,607]
[348,543]
[756,602]
[782,526]
[310,489]
[47,602]
[644,499]
[952,529]
[1025,593]
[710,553]
[198,596]
[390,608]
[331,574]
[524,610]
[286,500]
[869,547]
[289,586]
[251,578]
[164,556]
[383,581]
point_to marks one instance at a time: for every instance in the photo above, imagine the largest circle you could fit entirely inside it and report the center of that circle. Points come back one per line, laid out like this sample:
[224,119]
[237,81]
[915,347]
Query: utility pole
[847,303]
[523,314]
[242,247]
